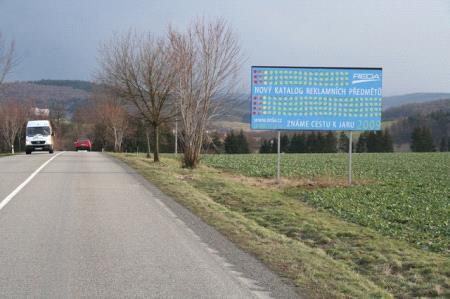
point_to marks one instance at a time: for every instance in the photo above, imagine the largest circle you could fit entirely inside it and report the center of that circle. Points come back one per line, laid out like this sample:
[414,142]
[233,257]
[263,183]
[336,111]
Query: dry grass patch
[314,183]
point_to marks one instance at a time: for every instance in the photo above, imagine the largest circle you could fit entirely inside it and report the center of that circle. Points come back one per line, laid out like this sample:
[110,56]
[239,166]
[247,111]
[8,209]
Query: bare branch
[6,58]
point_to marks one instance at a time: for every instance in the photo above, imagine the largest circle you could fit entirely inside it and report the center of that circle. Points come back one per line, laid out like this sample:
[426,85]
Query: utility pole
[176,137]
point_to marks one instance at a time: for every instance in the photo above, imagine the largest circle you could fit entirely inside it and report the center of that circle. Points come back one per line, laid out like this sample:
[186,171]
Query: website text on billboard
[316,98]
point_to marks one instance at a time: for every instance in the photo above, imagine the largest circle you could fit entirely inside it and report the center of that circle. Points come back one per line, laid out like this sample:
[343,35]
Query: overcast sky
[410,39]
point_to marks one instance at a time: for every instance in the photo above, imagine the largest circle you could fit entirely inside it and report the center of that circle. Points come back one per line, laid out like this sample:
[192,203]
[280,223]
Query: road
[86,225]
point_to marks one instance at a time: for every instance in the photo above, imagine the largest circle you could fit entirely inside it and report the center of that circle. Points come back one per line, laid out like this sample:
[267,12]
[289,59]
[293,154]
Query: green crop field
[402,195]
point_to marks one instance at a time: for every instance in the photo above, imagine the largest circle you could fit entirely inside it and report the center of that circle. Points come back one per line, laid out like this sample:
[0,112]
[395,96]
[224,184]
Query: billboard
[316,98]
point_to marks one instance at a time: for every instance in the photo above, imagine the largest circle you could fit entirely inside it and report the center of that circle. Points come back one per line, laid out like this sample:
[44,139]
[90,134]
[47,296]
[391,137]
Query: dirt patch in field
[318,182]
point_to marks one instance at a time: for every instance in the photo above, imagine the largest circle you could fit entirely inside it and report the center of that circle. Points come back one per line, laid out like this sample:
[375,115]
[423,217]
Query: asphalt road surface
[85,225]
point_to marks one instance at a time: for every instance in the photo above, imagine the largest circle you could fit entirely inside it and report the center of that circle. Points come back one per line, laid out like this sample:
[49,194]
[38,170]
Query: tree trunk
[19,136]
[116,146]
[147,135]
[11,145]
[192,153]
[190,159]
[156,140]
[120,134]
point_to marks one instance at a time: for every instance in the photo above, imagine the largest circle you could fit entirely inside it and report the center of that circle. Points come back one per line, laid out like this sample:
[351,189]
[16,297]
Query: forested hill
[434,115]
[395,101]
[75,84]
[67,94]
[417,109]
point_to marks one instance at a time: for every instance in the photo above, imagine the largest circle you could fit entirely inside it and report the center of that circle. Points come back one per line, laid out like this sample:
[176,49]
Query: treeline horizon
[329,142]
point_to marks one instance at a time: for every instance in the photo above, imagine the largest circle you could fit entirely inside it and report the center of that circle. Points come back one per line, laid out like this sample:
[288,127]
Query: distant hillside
[235,109]
[434,115]
[45,95]
[416,109]
[75,84]
[395,101]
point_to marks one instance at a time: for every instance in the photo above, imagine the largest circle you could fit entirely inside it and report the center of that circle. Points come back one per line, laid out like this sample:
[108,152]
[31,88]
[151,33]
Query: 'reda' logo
[365,77]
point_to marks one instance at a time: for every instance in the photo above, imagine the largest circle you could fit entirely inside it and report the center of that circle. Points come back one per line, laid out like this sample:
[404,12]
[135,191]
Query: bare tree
[137,68]
[6,58]
[13,116]
[117,121]
[206,59]
[110,111]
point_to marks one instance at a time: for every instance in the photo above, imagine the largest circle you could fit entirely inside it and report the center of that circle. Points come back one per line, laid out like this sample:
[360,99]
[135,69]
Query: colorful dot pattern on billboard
[338,99]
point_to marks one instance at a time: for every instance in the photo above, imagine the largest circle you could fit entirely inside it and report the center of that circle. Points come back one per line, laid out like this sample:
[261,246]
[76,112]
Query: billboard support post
[278,157]
[350,145]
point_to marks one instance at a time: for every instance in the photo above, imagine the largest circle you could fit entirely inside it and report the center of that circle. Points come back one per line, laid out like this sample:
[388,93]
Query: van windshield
[32,131]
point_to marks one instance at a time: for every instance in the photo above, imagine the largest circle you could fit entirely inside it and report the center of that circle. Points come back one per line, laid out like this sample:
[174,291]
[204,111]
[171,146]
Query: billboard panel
[316,98]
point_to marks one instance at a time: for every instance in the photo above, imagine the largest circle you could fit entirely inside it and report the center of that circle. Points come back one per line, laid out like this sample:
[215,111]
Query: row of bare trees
[181,76]
[104,118]
[107,112]
[12,114]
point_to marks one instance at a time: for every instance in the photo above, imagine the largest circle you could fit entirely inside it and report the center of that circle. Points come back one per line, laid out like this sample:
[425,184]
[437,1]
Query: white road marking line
[8,198]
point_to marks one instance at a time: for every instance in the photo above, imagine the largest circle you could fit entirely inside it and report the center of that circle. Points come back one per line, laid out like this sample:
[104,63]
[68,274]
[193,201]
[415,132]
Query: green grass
[319,249]
[408,196]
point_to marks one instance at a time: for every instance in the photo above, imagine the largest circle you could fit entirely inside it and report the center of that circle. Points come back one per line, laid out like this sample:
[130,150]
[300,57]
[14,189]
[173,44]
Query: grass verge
[404,196]
[321,253]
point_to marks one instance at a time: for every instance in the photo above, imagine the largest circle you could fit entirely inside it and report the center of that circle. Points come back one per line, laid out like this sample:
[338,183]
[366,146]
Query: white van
[39,136]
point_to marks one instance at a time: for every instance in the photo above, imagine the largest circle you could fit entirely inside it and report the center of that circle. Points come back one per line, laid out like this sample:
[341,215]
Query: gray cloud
[410,39]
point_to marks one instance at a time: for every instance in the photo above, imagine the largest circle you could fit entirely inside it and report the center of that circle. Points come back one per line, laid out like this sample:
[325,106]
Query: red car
[83,144]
